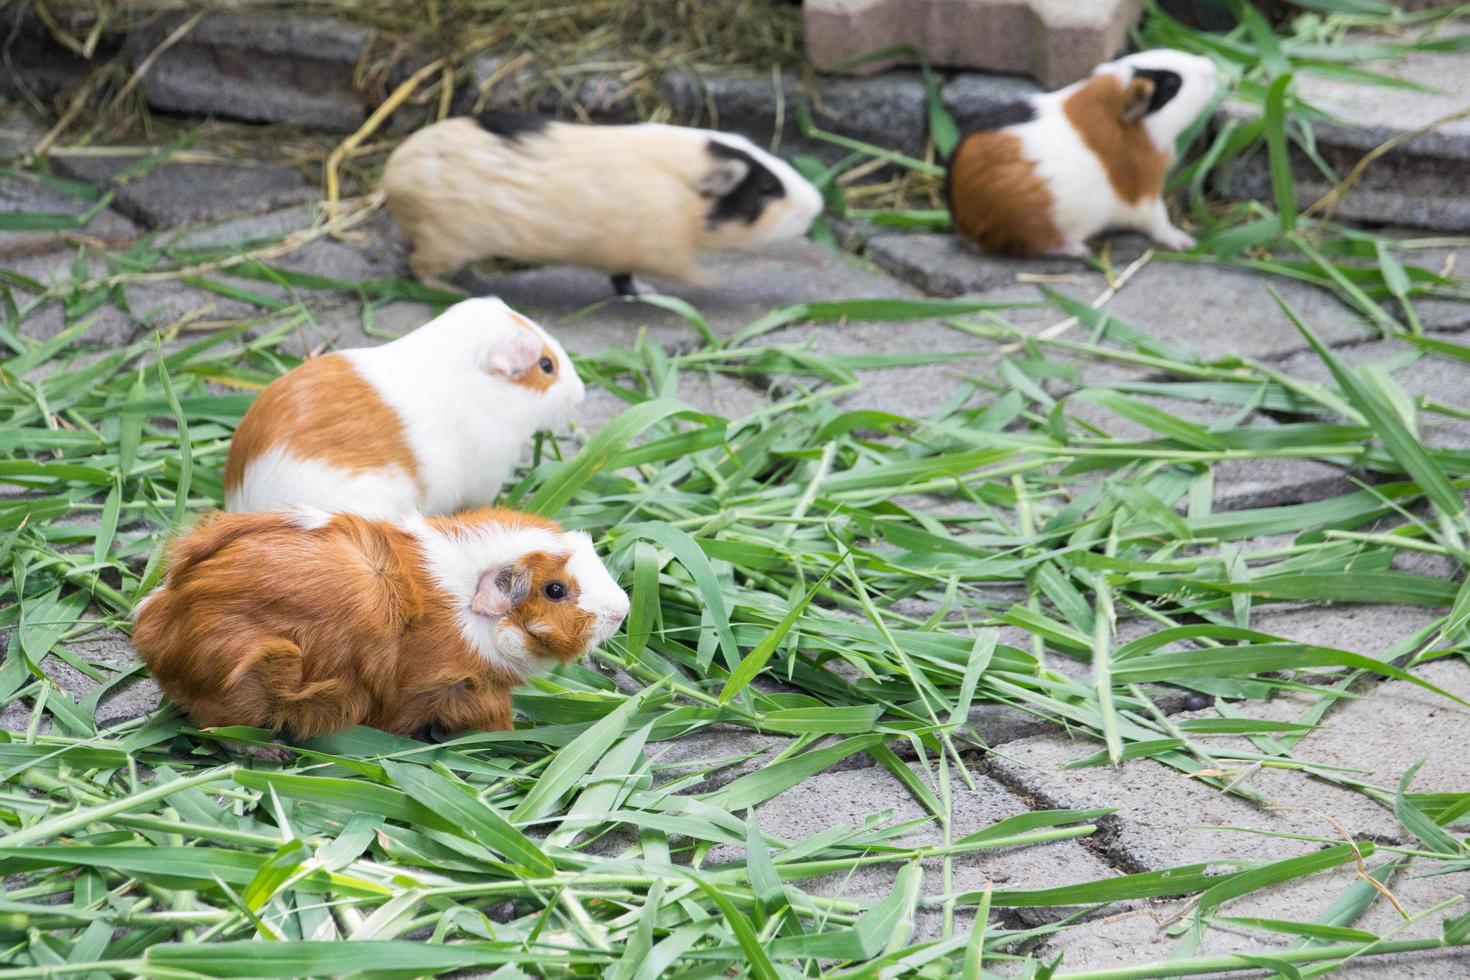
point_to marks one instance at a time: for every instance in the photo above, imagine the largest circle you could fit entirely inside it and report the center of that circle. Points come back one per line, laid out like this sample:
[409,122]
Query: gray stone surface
[1054,40]
[887,111]
[1419,182]
[837,798]
[1435,377]
[1142,935]
[19,130]
[721,753]
[181,194]
[259,68]
[1212,310]
[968,94]
[566,91]
[111,653]
[17,194]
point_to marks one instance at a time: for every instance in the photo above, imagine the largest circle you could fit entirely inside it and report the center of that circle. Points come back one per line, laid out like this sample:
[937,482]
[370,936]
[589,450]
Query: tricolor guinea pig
[309,622]
[623,199]
[1055,169]
[432,422]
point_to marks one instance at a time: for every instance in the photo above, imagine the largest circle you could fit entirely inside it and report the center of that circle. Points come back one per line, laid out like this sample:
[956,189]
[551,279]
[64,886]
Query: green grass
[784,580]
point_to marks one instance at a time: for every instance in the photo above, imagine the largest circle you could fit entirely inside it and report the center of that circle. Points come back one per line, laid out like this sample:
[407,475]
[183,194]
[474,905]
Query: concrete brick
[108,651]
[27,194]
[180,194]
[259,68]
[836,798]
[887,111]
[1054,41]
[722,752]
[1434,377]
[1146,934]
[968,95]
[19,131]
[1419,182]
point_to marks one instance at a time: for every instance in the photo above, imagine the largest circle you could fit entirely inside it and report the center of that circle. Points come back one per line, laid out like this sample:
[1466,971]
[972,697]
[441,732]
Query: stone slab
[1056,41]
[111,653]
[970,95]
[1146,934]
[887,111]
[836,798]
[1420,181]
[27,194]
[183,194]
[1215,311]
[19,131]
[1435,377]
[259,68]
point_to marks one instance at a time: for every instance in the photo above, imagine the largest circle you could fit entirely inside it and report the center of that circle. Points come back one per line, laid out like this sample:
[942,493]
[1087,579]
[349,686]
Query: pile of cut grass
[788,577]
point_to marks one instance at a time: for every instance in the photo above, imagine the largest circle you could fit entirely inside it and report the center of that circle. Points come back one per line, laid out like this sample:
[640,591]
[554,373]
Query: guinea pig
[624,199]
[1052,171]
[308,622]
[432,422]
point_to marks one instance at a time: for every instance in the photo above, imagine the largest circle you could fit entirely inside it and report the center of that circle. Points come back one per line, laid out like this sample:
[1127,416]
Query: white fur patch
[305,518]
[277,479]
[456,560]
[599,595]
[466,426]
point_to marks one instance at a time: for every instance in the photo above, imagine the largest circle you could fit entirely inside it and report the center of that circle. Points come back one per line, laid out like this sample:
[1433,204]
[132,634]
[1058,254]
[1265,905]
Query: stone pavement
[1199,309]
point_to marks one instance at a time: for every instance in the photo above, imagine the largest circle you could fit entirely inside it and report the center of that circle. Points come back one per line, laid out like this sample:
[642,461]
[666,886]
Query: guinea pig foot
[1069,250]
[1174,239]
[265,753]
[627,284]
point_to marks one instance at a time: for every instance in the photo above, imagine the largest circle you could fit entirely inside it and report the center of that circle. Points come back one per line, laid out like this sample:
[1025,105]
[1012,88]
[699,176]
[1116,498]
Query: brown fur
[1109,117]
[328,412]
[261,623]
[535,378]
[996,197]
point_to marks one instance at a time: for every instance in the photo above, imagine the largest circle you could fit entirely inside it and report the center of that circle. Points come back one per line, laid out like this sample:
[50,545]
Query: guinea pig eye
[555,591]
[546,364]
[770,186]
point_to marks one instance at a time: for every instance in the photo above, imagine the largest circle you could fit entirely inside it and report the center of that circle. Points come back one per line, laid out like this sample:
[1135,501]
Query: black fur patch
[1000,116]
[749,198]
[1166,85]
[511,125]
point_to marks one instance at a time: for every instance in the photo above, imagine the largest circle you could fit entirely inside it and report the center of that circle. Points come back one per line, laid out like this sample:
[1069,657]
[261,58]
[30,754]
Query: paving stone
[1419,182]
[260,68]
[19,131]
[564,91]
[969,95]
[186,193]
[108,651]
[716,394]
[723,752]
[1432,376]
[947,265]
[1137,936]
[36,65]
[742,286]
[1053,40]
[837,798]
[887,111]
[107,228]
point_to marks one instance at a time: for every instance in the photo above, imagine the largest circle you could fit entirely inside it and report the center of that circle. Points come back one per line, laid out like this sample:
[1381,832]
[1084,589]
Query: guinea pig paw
[1069,250]
[265,753]
[1174,239]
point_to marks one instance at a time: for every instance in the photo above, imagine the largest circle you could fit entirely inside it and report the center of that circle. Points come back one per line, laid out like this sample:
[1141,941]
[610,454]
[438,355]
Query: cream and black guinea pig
[1056,169]
[309,622]
[634,199]
[431,422]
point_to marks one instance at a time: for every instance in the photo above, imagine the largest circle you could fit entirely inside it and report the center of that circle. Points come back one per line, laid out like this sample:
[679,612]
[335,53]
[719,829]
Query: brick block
[1054,41]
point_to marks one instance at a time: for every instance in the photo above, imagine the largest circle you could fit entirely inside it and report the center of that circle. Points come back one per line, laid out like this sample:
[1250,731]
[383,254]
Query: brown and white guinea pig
[432,422]
[624,199]
[1056,169]
[310,622]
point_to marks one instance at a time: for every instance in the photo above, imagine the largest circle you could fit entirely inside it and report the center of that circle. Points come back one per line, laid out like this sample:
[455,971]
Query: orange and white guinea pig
[1051,171]
[309,622]
[623,199]
[432,422]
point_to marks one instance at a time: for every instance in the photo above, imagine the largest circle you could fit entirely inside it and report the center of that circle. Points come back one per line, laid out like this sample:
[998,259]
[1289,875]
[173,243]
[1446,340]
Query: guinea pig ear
[1135,105]
[724,178]
[515,354]
[500,589]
